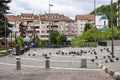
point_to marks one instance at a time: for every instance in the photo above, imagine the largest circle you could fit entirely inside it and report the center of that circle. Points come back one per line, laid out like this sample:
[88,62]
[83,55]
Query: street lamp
[95,21]
[49,22]
[112,44]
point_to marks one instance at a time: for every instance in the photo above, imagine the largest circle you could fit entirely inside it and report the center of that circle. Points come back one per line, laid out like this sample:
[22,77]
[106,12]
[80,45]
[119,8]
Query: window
[48,31]
[42,31]
[42,22]
[104,22]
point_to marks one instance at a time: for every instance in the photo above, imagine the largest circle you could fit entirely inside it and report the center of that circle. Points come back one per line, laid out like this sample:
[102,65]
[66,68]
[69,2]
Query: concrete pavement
[63,66]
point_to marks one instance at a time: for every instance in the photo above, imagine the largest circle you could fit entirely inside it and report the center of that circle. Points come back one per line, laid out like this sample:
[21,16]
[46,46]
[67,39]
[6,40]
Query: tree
[38,41]
[77,41]
[19,41]
[87,26]
[3,19]
[89,34]
[53,36]
[61,38]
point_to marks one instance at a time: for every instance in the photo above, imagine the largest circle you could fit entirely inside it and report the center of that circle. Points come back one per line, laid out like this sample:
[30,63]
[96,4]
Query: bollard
[83,63]
[18,63]
[47,62]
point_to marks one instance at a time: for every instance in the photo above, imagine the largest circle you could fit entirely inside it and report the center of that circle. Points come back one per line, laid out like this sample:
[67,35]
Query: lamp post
[49,22]
[112,43]
[95,21]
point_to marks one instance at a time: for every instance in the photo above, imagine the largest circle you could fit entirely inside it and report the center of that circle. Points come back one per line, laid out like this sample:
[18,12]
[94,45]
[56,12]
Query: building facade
[30,25]
[101,21]
[81,21]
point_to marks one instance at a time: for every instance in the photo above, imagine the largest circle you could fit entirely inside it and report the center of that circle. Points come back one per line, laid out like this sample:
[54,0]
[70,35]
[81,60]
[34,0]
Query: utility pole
[5,33]
[95,21]
[118,13]
[49,22]
[112,44]
[118,8]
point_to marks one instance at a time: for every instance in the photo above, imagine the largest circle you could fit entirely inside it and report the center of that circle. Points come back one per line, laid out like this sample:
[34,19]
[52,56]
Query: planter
[6,52]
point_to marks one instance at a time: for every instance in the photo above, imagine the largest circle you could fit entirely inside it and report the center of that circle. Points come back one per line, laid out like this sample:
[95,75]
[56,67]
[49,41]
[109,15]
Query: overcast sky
[67,7]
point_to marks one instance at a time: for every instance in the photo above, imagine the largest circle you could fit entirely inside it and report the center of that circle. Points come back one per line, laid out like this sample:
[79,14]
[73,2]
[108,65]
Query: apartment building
[81,21]
[59,22]
[100,19]
[30,25]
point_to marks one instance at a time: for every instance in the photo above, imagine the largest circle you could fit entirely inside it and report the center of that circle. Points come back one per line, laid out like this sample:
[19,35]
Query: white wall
[100,22]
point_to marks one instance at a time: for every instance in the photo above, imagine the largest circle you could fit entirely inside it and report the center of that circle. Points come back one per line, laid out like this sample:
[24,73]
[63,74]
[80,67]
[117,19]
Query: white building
[101,21]
[30,25]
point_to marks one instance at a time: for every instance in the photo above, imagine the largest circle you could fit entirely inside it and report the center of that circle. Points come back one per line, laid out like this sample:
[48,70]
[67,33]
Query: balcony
[29,29]
[37,29]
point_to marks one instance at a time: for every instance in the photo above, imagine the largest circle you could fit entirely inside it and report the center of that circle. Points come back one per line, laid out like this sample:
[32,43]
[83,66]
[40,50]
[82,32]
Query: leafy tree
[61,38]
[3,19]
[87,26]
[116,32]
[77,41]
[19,41]
[100,35]
[53,36]
[38,41]
[89,34]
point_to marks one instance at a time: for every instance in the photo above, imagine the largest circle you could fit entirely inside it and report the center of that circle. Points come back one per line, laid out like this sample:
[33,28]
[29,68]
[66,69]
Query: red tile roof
[13,17]
[27,14]
[54,17]
[84,17]
[44,17]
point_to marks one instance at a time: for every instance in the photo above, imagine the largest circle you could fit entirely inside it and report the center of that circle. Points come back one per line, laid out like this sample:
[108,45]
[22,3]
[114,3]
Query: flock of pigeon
[107,58]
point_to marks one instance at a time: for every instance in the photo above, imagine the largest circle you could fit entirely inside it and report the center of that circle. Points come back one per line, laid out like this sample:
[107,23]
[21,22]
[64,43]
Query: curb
[111,72]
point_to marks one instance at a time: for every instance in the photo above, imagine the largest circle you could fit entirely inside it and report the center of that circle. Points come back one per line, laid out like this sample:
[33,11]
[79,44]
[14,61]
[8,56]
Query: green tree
[87,26]
[108,33]
[53,36]
[19,40]
[61,38]
[98,35]
[89,34]
[3,19]
[38,41]
[116,32]
[77,41]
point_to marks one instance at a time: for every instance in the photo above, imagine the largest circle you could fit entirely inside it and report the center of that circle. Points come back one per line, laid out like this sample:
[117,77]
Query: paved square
[65,64]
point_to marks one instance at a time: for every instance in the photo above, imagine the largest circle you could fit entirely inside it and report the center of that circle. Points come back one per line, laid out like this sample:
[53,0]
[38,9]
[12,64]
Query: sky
[69,8]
